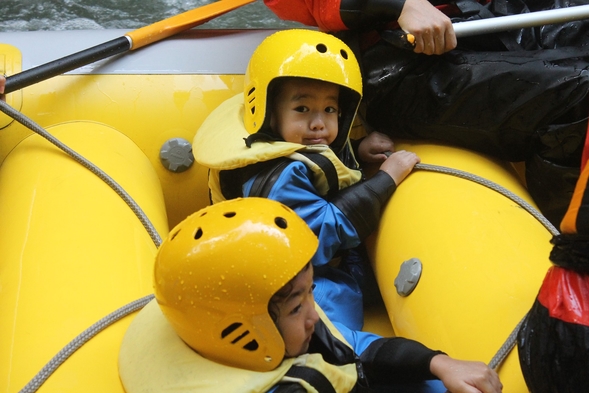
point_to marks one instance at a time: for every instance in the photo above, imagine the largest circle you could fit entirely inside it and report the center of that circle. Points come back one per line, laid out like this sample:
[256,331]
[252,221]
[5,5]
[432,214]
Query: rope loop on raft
[67,351]
[494,186]
[27,122]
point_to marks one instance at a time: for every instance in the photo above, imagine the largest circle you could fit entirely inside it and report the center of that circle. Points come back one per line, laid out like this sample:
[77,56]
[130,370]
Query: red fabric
[321,13]
[566,295]
[449,9]
[325,13]
[585,151]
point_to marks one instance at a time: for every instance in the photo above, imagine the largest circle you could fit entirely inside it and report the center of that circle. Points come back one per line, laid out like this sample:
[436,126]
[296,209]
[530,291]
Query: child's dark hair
[265,133]
[283,294]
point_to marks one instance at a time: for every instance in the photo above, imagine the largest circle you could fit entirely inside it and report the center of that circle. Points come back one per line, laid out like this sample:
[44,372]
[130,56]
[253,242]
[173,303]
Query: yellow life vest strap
[326,179]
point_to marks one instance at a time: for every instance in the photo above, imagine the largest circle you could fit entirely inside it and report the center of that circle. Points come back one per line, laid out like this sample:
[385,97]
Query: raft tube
[482,257]
[72,252]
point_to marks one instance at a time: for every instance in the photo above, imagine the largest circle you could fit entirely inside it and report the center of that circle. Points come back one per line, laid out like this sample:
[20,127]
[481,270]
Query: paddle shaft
[519,21]
[132,40]
[65,64]
[404,40]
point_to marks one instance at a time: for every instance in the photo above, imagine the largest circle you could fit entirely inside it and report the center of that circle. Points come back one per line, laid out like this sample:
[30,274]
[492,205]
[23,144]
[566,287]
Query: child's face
[306,112]
[297,315]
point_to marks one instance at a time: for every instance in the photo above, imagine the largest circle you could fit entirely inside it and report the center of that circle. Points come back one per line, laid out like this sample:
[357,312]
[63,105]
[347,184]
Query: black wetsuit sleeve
[363,202]
[369,14]
[397,359]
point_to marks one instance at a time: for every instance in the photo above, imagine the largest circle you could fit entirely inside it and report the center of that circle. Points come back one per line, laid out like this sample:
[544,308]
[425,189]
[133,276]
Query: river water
[26,15]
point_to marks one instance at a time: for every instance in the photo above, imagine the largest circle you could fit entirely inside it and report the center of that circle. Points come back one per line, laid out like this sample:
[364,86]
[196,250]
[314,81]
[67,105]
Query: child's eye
[301,109]
[331,109]
[296,309]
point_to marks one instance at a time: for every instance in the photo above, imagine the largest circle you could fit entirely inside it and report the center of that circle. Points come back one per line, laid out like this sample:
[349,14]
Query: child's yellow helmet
[217,271]
[308,54]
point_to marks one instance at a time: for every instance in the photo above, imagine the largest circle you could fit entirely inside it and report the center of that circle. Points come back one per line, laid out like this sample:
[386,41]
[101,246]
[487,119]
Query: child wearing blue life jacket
[235,287]
[287,138]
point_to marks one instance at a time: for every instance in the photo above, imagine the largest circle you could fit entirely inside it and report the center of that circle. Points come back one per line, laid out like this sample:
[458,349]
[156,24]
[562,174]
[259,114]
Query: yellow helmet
[308,54]
[217,271]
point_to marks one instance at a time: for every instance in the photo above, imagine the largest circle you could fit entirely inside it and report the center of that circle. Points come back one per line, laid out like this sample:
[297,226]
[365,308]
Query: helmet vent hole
[233,329]
[281,222]
[198,234]
[229,215]
[344,54]
[174,234]
[321,48]
[251,346]
[230,329]
[251,91]
[240,337]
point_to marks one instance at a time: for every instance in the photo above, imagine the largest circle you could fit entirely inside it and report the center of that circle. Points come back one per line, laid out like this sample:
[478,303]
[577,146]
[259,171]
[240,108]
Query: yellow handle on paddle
[184,21]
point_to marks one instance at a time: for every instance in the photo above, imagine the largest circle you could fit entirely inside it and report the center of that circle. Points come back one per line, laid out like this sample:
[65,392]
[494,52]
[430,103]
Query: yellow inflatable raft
[72,251]
[481,256]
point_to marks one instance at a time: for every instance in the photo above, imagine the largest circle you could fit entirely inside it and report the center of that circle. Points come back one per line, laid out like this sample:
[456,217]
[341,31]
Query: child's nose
[317,122]
[312,318]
